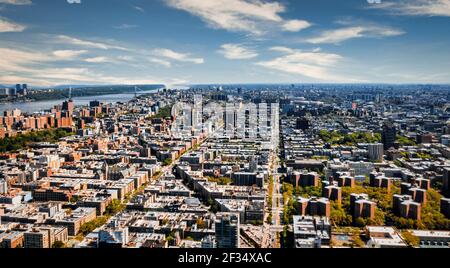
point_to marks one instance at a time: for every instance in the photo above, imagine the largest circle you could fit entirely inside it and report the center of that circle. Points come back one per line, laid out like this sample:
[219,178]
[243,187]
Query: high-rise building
[314,206]
[3,187]
[24,89]
[376,152]
[389,135]
[418,195]
[346,181]
[333,192]
[446,182]
[405,207]
[424,138]
[227,230]
[380,181]
[68,106]
[445,207]
[410,209]
[37,239]
[364,209]
[309,179]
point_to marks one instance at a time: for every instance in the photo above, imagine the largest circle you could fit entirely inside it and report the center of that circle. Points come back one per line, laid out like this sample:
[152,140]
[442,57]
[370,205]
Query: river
[37,106]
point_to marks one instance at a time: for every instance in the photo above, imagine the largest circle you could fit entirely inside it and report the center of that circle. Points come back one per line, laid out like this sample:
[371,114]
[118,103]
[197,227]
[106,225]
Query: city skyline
[179,42]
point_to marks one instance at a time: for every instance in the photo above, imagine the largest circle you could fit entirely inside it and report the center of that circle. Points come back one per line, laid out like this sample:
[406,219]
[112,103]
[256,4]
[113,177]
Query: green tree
[114,207]
[58,244]
[201,224]
[89,227]
[410,239]
[357,242]
[360,222]
[167,162]
[23,141]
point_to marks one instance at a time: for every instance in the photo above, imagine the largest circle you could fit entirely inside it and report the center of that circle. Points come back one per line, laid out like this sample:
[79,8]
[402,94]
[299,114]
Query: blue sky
[179,42]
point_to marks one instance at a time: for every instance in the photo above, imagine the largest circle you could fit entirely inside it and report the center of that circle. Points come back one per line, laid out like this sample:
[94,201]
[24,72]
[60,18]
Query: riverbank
[37,106]
[61,94]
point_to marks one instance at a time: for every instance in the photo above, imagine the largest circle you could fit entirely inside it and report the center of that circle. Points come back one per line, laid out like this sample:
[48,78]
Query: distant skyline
[180,42]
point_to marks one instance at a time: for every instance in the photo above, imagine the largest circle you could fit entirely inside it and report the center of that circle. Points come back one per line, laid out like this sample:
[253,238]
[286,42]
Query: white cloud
[352,32]
[13,60]
[16,2]
[38,69]
[182,57]
[9,26]
[237,52]
[85,43]
[68,54]
[98,60]
[238,15]
[161,62]
[140,9]
[313,64]
[295,25]
[416,7]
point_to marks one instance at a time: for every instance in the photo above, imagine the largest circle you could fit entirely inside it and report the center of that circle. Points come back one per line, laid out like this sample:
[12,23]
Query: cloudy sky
[46,43]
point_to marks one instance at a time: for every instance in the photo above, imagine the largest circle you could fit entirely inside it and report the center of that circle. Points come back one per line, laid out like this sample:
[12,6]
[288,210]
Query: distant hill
[62,87]
[106,86]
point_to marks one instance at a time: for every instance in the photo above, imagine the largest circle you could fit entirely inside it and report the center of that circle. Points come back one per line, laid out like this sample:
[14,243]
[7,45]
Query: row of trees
[89,227]
[22,141]
[220,180]
[290,202]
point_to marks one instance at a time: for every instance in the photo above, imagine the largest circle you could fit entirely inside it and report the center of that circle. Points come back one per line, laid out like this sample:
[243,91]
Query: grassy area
[432,218]
[336,138]
[23,141]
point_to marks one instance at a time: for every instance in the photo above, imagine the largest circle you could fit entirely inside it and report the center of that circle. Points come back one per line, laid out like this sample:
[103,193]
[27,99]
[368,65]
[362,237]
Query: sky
[180,42]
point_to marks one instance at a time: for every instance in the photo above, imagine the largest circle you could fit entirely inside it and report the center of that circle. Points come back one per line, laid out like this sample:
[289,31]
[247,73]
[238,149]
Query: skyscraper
[376,152]
[227,230]
[3,187]
[389,135]
[446,182]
